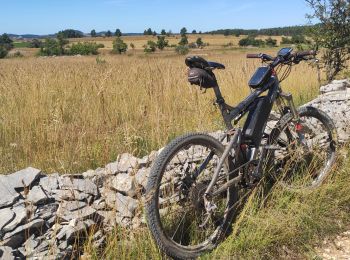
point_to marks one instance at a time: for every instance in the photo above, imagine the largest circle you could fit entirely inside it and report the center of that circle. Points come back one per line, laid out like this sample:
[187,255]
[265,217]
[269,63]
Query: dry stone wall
[41,216]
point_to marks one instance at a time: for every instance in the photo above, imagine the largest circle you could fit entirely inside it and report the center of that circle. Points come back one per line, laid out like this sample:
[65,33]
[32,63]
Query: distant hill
[277,31]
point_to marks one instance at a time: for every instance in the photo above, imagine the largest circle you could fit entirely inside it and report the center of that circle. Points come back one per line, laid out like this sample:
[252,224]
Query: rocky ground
[44,216]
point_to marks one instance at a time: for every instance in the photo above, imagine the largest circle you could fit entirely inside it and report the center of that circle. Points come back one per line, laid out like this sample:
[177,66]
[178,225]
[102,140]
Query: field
[69,114]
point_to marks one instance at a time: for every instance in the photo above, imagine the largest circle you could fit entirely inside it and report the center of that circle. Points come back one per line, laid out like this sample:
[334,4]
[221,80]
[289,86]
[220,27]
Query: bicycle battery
[256,121]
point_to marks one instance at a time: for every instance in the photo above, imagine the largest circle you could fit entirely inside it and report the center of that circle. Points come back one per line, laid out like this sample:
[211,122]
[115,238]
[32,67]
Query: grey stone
[23,178]
[61,195]
[80,214]
[72,205]
[144,161]
[141,177]
[123,183]
[15,238]
[71,231]
[123,204]
[335,85]
[6,253]
[30,245]
[47,211]
[20,179]
[20,216]
[99,204]
[8,194]
[81,185]
[126,161]
[6,216]
[37,196]
[50,183]
[111,168]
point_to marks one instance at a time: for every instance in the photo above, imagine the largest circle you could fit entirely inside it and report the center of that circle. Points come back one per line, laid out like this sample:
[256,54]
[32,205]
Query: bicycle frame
[230,114]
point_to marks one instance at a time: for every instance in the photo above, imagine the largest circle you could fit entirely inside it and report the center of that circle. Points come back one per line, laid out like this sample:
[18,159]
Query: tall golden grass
[68,114]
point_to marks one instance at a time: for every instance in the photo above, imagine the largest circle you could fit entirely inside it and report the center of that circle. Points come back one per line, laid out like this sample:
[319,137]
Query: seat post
[223,107]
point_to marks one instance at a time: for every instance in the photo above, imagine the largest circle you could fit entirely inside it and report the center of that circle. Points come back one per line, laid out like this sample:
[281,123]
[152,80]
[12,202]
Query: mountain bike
[197,182]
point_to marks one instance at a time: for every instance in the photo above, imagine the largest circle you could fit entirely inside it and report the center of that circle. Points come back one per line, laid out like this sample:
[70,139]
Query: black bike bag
[261,75]
[256,121]
[202,78]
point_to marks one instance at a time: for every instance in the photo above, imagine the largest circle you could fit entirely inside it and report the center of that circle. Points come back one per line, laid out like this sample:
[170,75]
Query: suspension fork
[296,117]
[233,145]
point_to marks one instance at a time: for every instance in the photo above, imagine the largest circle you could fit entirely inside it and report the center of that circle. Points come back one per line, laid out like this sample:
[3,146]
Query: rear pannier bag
[202,78]
[261,75]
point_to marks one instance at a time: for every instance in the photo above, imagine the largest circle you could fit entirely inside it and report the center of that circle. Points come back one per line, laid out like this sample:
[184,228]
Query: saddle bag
[255,124]
[202,78]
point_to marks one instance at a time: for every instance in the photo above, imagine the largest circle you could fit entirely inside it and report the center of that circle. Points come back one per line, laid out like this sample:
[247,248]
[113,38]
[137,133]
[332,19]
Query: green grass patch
[21,44]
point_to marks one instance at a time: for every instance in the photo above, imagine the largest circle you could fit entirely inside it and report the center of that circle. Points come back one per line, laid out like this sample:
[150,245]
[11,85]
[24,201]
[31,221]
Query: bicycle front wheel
[175,208]
[305,150]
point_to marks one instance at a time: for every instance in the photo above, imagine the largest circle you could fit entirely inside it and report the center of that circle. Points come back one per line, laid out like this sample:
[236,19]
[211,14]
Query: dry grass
[68,114]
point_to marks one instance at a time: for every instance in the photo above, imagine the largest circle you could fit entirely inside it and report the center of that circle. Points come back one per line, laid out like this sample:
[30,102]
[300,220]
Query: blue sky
[50,16]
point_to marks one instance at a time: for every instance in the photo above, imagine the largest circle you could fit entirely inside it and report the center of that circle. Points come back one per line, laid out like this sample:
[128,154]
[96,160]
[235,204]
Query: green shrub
[295,39]
[3,52]
[86,48]
[151,46]
[271,42]
[6,44]
[162,43]
[35,43]
[200,43]
[251,41]
[119,46]
[52,47]
[184,40]
[182,50]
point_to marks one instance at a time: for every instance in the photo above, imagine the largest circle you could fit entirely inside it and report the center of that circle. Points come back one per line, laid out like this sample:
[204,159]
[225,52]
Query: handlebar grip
[253,56]
[305,53]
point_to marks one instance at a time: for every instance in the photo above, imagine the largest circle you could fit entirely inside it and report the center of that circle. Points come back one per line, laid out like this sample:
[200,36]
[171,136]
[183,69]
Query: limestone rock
[126,161]
[81,185]
[6,216]
[123,204]
[123,183]
[141,177]
[37,196]
[6,253]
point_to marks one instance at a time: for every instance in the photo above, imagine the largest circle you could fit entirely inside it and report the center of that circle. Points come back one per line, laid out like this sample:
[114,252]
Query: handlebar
[295,57]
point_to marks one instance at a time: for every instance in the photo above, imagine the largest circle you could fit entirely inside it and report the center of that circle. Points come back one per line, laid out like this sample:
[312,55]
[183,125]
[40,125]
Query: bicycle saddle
[201,63]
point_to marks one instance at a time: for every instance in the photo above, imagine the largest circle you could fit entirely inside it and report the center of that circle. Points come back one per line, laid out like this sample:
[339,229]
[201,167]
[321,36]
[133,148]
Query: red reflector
[298,127]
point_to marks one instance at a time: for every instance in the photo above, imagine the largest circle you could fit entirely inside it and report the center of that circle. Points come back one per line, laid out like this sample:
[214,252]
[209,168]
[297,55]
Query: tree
[118,33]
[169,33]
[183,31]
[154,33]
[119,46]
[162,43]
[199,42]
[93,33]
[227,32]
[86,48]
[184,40]
[35,43]
[271,42]
[52,47]
[108,33]
[148,32]
[194,32]
[132,46]
[163,32]
[6,44]
[70,33]
[151,46]
[331,33]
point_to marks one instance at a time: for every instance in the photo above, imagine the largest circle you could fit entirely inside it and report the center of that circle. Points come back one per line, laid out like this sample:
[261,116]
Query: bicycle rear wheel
[175,208]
